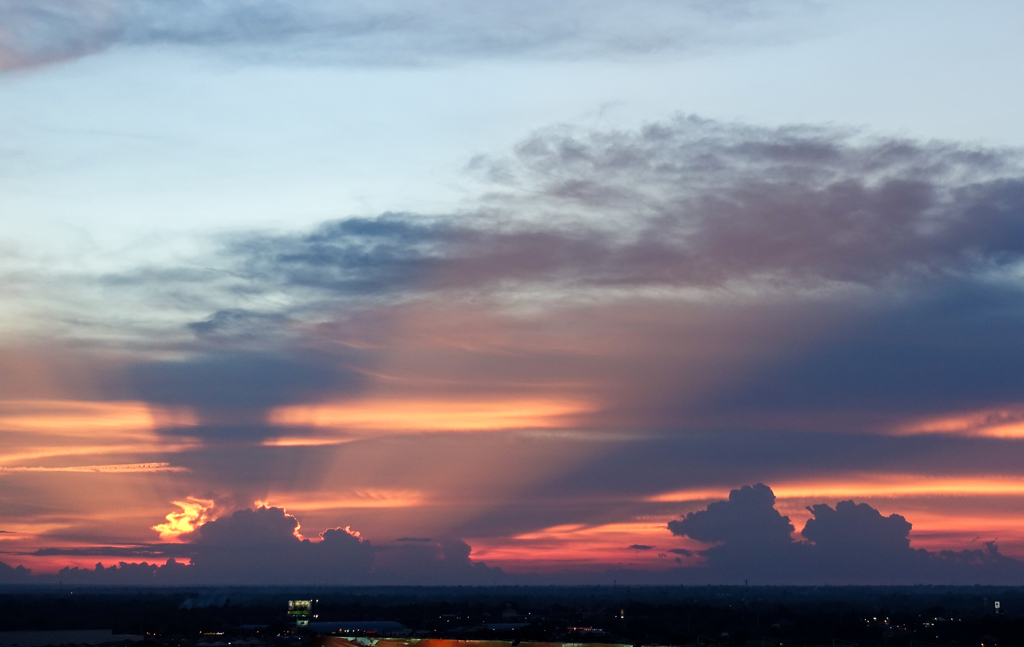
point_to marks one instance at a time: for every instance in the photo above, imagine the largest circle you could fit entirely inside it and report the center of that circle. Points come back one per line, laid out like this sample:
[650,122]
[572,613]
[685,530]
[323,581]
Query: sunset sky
[511,292]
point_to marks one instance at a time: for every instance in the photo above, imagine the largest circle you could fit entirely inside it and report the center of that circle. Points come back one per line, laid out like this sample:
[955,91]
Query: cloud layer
[620,328]
[709,235]
[747,539]
[263,546]
[684,204]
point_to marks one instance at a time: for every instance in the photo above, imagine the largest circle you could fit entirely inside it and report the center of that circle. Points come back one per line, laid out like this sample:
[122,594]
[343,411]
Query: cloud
[41,32]
[237,380]
[717,202]
[763,258]
[14,574]
[748,533]
[172,572]
[731,303]
[238,325]
[683,204]
[848,544]
[265,546]
[150,551]
[910,357]
[381,32]
[194,513]
[446,561]
[883,256]
[857,530]
[240,387]
[101,469]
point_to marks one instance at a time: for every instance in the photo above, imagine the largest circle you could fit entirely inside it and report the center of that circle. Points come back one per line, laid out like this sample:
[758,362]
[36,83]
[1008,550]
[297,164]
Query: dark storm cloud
[849,544]
[385,31]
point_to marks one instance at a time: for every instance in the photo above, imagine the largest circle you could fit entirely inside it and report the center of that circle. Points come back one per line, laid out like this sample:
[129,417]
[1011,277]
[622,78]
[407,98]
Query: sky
[511,292]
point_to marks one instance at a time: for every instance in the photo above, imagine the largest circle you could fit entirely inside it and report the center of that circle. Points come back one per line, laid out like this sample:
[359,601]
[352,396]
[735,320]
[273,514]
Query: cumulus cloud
[446,561]
[385,31]
[749,539]
[748,533]
[849,544]
[14,574]
[265,546]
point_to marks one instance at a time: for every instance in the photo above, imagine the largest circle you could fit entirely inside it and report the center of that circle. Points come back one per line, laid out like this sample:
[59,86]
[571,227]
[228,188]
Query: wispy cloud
[100,469]
[383,32]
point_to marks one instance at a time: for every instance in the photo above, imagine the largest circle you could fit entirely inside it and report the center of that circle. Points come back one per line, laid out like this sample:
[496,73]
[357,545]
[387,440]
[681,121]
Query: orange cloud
[104,469]
[995,423]
[303,441]
[583,545]
[431,415]
[868,485]
[368,498]
[92,450]
[73,416]
[194,513]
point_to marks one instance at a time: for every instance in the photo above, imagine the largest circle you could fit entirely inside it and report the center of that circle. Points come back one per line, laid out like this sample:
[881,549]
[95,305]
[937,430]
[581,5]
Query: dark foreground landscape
[896,616]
